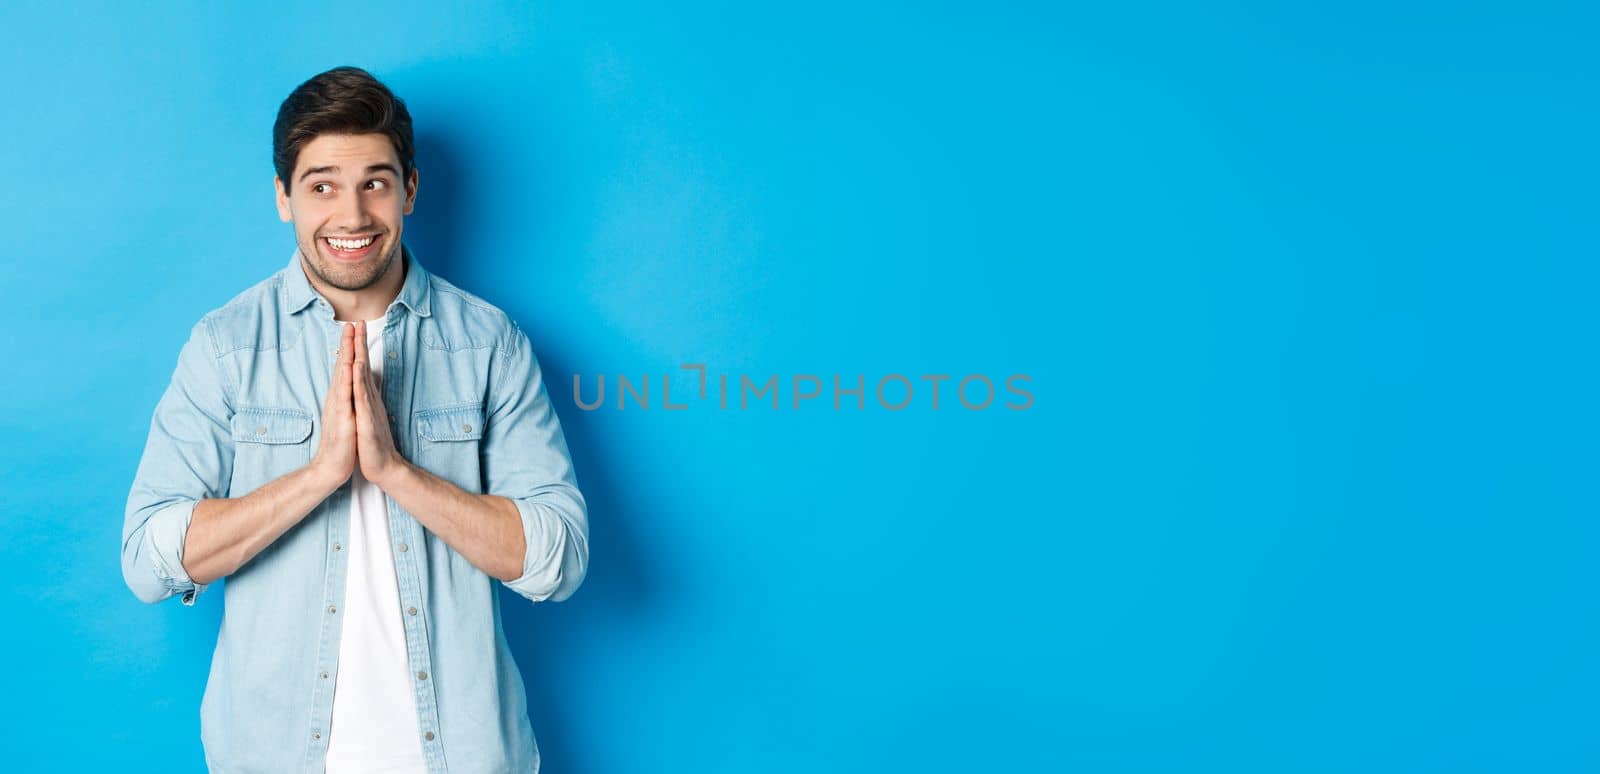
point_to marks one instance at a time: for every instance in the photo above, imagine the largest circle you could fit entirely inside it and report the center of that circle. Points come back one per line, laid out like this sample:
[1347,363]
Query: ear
[284,214]
[411,190]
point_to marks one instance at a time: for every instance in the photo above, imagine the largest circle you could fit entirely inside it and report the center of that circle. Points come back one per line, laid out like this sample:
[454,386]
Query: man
[366,452]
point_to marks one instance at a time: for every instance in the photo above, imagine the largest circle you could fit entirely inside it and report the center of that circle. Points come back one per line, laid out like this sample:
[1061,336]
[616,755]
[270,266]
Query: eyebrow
[384,167]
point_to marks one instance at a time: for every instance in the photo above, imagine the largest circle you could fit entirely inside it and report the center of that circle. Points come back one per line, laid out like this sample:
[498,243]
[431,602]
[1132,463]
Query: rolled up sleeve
[188,456]
[525,460]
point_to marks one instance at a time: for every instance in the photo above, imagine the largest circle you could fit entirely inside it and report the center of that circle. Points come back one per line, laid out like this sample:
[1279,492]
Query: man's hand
[374,442]
[335,459]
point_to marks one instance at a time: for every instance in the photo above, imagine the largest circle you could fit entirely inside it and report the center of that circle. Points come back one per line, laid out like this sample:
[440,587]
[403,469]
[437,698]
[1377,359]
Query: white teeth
[350,244]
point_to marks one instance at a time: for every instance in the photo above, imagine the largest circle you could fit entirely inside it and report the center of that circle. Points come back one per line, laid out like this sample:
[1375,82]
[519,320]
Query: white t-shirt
[374,725]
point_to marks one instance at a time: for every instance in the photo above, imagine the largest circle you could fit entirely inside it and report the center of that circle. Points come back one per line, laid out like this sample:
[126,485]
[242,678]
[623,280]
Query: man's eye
[318,188]
[379,184]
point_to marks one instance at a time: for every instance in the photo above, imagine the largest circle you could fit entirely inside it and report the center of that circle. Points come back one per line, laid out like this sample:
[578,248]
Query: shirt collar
[416,293]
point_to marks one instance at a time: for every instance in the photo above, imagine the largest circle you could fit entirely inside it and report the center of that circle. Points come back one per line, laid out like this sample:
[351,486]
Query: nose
[351,213]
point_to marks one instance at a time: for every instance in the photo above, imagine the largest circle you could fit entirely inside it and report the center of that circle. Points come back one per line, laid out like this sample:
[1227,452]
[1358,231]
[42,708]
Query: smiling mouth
[350,248]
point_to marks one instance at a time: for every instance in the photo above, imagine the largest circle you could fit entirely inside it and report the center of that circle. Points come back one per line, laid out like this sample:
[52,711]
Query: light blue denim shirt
[467,403]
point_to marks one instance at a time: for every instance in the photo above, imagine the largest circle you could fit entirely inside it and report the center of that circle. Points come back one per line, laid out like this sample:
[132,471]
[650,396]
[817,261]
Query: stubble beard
[349,281]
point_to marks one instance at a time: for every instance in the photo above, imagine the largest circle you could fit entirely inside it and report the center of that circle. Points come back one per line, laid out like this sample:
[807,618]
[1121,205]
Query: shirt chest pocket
[448,443]
[267,443]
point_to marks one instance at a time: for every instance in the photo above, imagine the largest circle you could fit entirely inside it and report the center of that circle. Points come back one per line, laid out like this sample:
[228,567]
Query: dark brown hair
[344,100]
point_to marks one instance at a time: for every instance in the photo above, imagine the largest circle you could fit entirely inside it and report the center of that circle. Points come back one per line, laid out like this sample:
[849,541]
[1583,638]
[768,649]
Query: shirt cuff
[164,535]
[542,530]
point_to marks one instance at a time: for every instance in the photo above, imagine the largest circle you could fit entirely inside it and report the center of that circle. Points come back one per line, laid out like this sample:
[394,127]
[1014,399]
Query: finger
[372,387]
[359,351]
[347,340]
[380,412]
[347,345]
[360,386]
[359,361]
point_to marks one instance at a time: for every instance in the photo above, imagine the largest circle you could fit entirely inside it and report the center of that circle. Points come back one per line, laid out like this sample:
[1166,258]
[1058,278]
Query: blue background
[1307,484]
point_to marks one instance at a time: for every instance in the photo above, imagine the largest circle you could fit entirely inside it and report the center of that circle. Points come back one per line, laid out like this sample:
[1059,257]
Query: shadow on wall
[546,638]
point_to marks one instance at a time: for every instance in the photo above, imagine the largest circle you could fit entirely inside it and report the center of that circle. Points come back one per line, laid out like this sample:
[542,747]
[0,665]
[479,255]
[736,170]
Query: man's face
[347,188]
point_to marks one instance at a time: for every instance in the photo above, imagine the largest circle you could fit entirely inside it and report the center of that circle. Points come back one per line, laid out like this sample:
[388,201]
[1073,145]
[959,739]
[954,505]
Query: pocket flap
[451,423]
[271,425]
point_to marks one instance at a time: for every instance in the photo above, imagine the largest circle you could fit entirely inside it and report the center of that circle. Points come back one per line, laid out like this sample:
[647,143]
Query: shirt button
[411,611]
[332,609]
[422,675]
[428,736]
[262,430]
[403,548]
[336,546]
[324,675]
[393,354]
[316,734]
[466,428]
